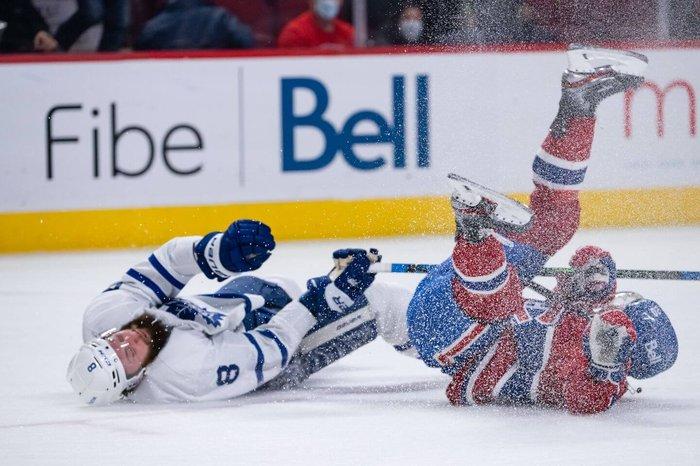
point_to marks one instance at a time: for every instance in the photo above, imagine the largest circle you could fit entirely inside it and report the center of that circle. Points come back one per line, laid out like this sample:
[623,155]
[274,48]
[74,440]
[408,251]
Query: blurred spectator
[598,20]
[114,16]
[684,19]
[440,17]
[143,11]
[464,28]
[194,24]
[318,27]
[497,19]
[26,30]
[265,17]
[406,28]
[531,28]
[379,14]
[57,12]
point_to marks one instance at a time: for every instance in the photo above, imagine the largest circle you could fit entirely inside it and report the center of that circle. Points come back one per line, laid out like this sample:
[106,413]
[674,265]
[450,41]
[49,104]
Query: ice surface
[373,407]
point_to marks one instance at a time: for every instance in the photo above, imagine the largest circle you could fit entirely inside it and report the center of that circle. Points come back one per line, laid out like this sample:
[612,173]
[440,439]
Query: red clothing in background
[304,31]
[265,17]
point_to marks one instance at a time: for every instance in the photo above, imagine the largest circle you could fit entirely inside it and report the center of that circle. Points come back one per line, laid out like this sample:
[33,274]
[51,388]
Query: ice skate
[592,75]
[479,210]
[585,60]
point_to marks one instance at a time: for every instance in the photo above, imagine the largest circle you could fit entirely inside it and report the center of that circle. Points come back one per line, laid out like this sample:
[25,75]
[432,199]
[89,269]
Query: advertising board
[294,138]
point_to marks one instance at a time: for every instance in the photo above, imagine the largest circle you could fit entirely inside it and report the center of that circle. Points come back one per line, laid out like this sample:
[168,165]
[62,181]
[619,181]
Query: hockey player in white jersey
[145,343]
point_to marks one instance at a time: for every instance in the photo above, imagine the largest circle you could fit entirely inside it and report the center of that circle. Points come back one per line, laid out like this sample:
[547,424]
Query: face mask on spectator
[411,29]
[327,9]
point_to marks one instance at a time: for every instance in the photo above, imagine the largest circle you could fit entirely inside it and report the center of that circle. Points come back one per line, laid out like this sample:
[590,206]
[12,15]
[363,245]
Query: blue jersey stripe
[283,349]
[486,286]
[261,357]
[556,174]
[149,283]
[167,275]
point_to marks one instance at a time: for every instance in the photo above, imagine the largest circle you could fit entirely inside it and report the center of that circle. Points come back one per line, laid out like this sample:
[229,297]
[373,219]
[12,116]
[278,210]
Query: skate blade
[509,213]
[583,59]
[464,198]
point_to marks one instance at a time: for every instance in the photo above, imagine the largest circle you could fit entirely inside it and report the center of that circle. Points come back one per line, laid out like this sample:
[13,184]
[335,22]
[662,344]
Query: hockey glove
[608,345]
[183,313]
[244,246]
[338,296]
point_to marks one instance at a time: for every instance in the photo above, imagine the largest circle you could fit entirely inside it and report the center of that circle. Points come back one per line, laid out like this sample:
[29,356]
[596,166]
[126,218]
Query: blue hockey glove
[326,296]
[314,298]
[244,246]
[354,278]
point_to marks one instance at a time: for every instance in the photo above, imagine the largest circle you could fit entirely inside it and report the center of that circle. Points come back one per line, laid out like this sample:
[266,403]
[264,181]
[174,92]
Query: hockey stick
[425,268]
[685,275]
[635,274]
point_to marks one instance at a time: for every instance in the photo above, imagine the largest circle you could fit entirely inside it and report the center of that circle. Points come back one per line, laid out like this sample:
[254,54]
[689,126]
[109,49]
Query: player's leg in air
[560,165]
[576,350]
[484,278]
[461,308]
[558,172]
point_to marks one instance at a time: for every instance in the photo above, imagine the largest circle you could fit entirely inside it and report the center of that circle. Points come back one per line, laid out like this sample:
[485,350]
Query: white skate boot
[478,210]
[588,60]
[592,75]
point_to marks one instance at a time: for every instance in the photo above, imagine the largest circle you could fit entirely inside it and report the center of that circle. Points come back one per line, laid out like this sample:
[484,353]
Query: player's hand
[44,42]
[343,257]
[353,267]
[339,292]
[244,246]
[608,344]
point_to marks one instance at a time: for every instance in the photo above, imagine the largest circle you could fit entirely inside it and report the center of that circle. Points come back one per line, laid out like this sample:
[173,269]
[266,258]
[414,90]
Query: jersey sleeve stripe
[463,343]
[144,280]
[261,357]
[164,272]
[283,349]
[557,175]
[560,162]
[490,286]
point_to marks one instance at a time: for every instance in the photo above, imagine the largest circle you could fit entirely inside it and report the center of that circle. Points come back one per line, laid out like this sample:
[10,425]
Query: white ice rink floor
[373,407]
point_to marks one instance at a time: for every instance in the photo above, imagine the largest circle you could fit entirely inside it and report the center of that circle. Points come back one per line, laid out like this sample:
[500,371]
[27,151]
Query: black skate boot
[592,75]
[480,210]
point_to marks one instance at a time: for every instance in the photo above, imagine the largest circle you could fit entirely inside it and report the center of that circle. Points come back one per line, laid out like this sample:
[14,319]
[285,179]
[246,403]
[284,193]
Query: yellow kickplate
[117,228]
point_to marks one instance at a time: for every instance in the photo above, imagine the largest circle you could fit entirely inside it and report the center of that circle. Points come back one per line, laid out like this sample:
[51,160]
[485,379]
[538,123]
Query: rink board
[319,146]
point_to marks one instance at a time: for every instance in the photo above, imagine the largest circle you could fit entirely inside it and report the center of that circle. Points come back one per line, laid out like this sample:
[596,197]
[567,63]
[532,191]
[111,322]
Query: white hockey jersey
[208,356]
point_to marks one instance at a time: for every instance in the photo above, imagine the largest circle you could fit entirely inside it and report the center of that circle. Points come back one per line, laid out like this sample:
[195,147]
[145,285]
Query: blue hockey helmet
[657,345]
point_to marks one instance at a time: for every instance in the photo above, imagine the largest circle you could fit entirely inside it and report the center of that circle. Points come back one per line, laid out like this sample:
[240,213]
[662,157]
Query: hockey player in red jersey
[468,316]
[574,350]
